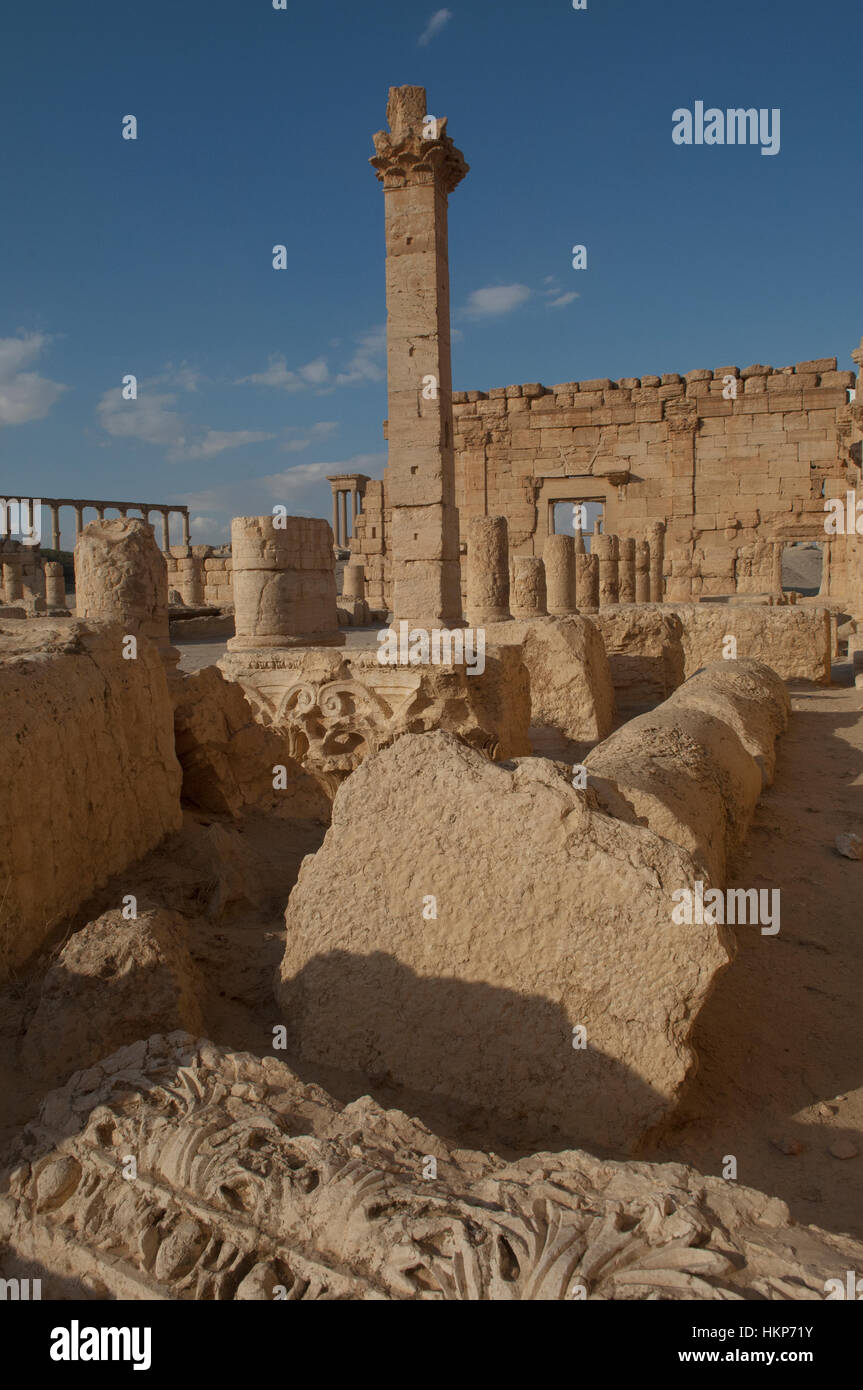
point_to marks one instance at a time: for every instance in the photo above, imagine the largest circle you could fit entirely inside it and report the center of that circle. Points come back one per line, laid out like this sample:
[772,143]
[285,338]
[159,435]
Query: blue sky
[154,256]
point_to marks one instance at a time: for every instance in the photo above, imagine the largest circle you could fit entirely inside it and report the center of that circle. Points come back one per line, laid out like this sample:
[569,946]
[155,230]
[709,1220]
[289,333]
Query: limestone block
[481,1000]
[113,981]
[228,758]
[570,680]
[644,643]
[55,585]
[794,641]
[87,748]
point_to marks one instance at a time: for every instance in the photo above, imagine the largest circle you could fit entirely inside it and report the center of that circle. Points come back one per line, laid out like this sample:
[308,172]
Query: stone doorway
[562,517]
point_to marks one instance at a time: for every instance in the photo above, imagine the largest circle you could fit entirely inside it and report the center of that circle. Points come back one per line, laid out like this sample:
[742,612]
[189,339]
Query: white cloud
[152,420]
[24,396]
[149,418]
[364,365]
[434,26]
[562,299]
[322,430]
[499,299]
[277,374]
[217,441]
[207,530]
[315,372]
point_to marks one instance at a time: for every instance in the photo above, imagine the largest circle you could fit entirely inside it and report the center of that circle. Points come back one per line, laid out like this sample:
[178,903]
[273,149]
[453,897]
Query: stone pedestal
[354,581]
[13,589]
[528,587]
[487,571]
[121,574]
[605,550]
[642,572]
[284,583]
[657,562]
[55,585]
[626,570]
[559,559]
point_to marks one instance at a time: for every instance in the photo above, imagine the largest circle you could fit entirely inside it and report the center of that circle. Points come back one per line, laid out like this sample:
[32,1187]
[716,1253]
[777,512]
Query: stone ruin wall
[731,478]
[201,574]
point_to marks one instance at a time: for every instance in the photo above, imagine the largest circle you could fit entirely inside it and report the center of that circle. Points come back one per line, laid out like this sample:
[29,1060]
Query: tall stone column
[487,570]
[335,514]
[186,536]
[626,570]
[642,572]
[354,581]
[605,548]
[657,562]
[418,174]
[79,522]
[100,512]
[343,519]
[558,556]
[776,567]
[166,532]
[353,508]
[528,587]
[55,526]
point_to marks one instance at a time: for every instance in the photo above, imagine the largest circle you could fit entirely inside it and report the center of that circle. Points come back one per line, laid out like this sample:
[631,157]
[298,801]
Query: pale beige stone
[558,555]
[570,681]
[114,980]
[478,1003]
[121,575]
[487,571]
[270,1189]
[644,643]
[284,583]
[528,587]
[685,770]
[794,641]
[230,760]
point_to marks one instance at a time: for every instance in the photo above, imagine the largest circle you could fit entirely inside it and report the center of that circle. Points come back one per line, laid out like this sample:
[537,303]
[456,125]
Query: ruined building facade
[737,463]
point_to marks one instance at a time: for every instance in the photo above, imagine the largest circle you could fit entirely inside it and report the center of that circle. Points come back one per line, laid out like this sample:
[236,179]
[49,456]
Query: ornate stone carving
[251,1185]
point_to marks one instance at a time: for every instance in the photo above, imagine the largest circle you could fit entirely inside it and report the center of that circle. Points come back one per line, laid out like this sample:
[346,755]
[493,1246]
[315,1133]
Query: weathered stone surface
[644,643]
[793,641]
[528,587]
[487,571]
[284,583]
[229,760]
[750,698]
[570,681]
[558,557]
[337,707]
[91,782]
[478,1003]
[113,982]
[253,1185]
[684,769]
[121,575]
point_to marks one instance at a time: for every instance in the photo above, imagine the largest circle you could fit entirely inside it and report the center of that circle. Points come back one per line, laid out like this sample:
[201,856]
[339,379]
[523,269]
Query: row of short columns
[566,579]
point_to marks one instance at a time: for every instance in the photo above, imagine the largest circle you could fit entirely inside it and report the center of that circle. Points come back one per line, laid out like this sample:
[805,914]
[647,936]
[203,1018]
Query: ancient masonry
[733,477]
[476,926]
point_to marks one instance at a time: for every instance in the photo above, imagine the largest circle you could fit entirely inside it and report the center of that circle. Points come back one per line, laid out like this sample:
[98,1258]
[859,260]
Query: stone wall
[75,809]
[734,479]
[201,574]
